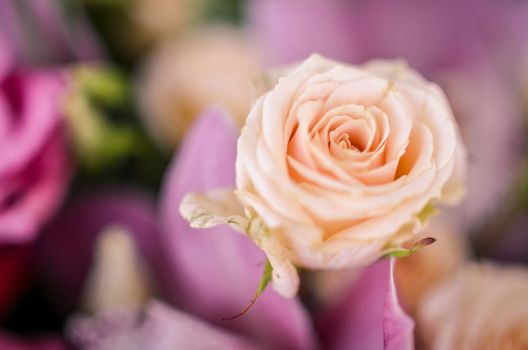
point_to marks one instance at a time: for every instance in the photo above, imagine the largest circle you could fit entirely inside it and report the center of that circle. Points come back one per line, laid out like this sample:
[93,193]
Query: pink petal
[40,190]
[34,166]
[6,57]
[48,32]
[355,31]
[369,317]
[292,30]
[213,273]
[37,100]
[160,327]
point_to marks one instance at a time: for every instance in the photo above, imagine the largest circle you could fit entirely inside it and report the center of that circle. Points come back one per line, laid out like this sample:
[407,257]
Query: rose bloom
[214,65]
[482,307]
[33,157]
[338,165]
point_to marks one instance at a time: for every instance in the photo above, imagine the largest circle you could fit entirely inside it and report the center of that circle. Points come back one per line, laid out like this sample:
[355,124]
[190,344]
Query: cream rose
[482,307]
[338,165]
[211,66]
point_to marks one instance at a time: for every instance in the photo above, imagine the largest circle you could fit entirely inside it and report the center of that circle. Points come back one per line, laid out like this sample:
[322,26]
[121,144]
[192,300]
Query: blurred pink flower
[483,306]
[33,160]
[212,273]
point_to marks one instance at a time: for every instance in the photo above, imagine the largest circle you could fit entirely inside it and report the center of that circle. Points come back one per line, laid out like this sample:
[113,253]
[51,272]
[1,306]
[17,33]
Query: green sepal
[266,278]
[400,252]
[264,281]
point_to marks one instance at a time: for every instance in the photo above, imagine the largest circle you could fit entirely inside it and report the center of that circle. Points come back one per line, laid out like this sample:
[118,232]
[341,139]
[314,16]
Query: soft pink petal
[6,57]
[427,33]
[36,111]
[369,316]
[213,273]
[40,189]
[292,30]
[159,328]
[34,166]
[44,31]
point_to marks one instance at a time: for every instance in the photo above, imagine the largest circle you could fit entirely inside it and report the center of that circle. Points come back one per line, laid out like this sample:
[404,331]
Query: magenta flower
[33,161]
[212,273]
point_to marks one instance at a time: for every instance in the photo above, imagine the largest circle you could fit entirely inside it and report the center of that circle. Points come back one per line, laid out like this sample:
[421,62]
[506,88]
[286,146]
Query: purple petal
[65,249]
[161,327]
[369,317]
[428,34]
[493,135]
[6,58]
[47,32]
[214,272]
[292,30]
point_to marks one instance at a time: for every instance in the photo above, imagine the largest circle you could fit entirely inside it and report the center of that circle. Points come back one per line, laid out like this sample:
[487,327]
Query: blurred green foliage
[108,140]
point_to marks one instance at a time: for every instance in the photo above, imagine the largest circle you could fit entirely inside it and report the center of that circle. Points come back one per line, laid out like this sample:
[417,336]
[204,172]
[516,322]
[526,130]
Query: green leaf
[264,281]
[266,278]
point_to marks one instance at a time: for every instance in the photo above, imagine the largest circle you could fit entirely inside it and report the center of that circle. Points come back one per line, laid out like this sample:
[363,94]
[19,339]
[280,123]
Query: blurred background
[131,76]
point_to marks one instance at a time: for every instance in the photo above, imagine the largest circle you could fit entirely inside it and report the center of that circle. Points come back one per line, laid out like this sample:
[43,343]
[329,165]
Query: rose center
[352,135]
[343,141]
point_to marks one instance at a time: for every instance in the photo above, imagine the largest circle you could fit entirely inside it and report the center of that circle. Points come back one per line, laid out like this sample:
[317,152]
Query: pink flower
[210,274]
[33,160]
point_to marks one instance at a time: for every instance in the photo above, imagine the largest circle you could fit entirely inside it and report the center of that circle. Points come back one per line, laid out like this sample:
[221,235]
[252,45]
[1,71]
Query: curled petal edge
[221,207]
